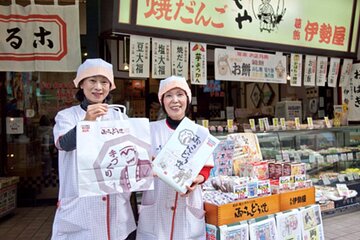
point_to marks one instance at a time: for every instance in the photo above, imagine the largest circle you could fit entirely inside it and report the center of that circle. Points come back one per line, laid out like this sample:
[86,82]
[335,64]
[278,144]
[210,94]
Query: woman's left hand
[199,179]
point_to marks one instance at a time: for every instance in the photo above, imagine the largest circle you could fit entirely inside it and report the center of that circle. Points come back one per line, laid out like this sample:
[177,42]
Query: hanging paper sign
[310,70]
[245,66]
[296,69]
[354,93]
[139,56]
[333,71]
[180,58]
[321,69]
[198,59]
[39,37]
[160,64]
[345,72]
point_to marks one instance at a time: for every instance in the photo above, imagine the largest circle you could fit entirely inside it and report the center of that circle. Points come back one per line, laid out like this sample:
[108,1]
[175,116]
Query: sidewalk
[36,223]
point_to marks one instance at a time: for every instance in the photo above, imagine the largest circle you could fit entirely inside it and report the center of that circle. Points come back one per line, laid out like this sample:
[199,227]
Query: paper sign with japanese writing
[198,62]
[321,69]
[40,38]
[245,66]
[345,72]
[180,58]
[289,225]
[309,70]
[296,69]
[161,62]
[312,226]
[320,24]
[333,72]
[113,156]
[189,148]
[139,56]
[354,93]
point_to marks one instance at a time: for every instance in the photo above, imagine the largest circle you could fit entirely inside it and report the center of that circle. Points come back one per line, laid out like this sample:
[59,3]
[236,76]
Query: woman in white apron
[164,213]
[107,217]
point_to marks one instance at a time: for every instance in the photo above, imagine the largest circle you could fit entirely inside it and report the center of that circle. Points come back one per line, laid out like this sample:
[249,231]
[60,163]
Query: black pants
[132,236]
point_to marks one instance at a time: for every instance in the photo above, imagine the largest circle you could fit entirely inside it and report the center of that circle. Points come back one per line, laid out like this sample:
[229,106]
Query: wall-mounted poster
[139,56]
[198,60]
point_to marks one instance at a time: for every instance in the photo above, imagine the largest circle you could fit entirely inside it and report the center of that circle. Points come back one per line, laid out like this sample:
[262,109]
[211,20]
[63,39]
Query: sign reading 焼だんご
[39,37]
[317,25]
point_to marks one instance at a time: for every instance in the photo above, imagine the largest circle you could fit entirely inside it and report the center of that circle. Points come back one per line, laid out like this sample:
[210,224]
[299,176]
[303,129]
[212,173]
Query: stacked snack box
[8,193]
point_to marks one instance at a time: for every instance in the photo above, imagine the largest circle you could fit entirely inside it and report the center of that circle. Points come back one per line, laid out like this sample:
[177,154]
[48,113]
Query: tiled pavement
[36,223]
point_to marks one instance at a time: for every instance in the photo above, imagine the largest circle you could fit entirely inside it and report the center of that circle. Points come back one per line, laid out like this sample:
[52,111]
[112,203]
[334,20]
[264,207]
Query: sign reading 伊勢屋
[39,38]
[322,24]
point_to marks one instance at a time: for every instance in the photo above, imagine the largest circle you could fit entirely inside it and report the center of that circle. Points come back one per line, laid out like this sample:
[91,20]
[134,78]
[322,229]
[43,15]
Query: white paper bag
[113,156]
[184,155]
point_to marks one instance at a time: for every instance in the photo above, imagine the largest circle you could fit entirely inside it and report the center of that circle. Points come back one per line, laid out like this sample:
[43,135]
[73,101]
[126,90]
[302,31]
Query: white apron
[156,213]
[96,218]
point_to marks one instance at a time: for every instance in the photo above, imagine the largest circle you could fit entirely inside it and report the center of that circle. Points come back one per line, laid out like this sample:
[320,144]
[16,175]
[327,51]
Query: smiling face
[175,103]
[96,88]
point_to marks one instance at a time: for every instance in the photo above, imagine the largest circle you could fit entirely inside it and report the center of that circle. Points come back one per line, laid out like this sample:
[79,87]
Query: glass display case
[323,150]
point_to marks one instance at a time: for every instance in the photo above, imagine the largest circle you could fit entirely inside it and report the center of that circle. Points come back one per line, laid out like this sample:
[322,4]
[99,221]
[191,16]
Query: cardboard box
[241,210]
[297,198]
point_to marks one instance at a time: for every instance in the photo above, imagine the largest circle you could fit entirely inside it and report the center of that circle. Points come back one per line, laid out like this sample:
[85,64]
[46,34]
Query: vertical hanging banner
[354,93]
[232,65]
[198,63]
[160,64]
[345,72]
[333,71]
[310,70]
[295,69]
[321,69]
[39,37]
[139,56]
[180,58]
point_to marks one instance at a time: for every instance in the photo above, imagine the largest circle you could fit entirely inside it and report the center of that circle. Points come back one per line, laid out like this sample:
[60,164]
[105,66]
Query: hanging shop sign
[309,70]
[345,72]
[321,69]
[198,63]
[245,66]
[39,37]
[297,23]
[139,56]
[296,69]
[352,96]
[333,72]
[180,58]
[160,63]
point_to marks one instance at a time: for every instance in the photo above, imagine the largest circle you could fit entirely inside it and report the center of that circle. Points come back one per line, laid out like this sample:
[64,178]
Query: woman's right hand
[96,110]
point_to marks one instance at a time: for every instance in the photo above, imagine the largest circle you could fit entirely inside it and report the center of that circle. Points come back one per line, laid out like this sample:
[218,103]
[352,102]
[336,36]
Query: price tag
[252,124]
[341,177]
[297,123]
[261,124]
[343,157]
[266,123]
[327,122]
[356,176]
[350,156]
[326,180]
[350,176]
[205,123]
[310,123]
[275,123]
[283,123]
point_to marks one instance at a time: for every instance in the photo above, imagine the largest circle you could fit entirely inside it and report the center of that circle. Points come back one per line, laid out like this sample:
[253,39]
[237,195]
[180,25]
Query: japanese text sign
[296,23]
[39,37]
[333,71]
[296,69]
[160,58]
[139,56]
[180,58]
[198,62]
[249,66]
[353,99]
[345,72]
[321,69]
[309,70]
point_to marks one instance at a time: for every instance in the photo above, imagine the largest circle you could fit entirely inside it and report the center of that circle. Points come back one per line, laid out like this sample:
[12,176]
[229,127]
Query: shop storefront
[294,30]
